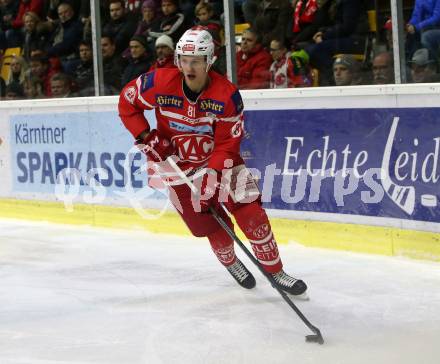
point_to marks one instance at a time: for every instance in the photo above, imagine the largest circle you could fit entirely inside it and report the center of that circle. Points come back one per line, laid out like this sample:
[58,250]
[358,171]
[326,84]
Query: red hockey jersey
[205,133]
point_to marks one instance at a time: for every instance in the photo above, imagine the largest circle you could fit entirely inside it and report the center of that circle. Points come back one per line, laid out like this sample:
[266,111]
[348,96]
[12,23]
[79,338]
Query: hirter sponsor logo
[170,101]
[213,106]
[193,147]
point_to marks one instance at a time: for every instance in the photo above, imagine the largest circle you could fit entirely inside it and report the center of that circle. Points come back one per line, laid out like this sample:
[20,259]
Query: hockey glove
[210,189]
[156,147]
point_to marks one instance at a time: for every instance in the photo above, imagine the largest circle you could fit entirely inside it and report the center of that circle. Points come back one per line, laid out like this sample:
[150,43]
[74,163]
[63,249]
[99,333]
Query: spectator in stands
[112,63]
[249,9]
[50,9]
[279,67]
[423,67]
[83,12]
[164,53]
[83,74]
[300,72]
[66,37]
[253,62]
[302,25]
[14,91]
[87,28]
[151,17]
[347,35]
[140,60]
[425,21]
[40,68]
[33,37]
[346,71]
[14,36]
[120,26]
[388,27]
[8,12]
[204,13]
[310,21]
[187,8]
[219,51]
[33,88]
[217,6]
[383,69]
[173,22]
[61,85]
[17,72]
[35,6]
[133,7]
[271,19]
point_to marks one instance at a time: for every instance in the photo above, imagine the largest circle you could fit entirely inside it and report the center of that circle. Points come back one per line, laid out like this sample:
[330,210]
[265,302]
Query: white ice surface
[86,295]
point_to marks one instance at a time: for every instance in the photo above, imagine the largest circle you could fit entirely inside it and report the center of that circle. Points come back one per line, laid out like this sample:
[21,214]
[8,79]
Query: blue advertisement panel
[87,149]
[368,162]
[371,162]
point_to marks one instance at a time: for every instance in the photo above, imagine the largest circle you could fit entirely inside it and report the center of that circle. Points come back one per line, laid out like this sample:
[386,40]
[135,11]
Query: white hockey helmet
[195,42]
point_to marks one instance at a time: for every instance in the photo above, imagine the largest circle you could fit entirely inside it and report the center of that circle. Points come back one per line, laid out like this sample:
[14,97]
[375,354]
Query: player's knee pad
[253,221]
[223,246]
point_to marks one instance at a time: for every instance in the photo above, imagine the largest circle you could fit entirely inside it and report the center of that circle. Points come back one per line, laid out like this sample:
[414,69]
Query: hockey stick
[317,336]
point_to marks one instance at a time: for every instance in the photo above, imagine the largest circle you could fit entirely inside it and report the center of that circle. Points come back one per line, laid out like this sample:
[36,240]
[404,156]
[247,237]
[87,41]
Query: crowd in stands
[289,43]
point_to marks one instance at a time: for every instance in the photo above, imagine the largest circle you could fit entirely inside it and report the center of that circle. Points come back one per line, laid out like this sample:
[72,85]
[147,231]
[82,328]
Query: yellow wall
[351,237]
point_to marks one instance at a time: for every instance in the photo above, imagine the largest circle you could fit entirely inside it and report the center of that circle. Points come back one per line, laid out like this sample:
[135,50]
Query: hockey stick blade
[317,338]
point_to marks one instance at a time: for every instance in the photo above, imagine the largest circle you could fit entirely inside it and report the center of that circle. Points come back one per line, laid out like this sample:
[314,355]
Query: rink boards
[346,168]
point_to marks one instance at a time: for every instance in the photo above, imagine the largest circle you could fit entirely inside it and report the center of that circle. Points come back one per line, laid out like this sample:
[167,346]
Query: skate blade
[301,297]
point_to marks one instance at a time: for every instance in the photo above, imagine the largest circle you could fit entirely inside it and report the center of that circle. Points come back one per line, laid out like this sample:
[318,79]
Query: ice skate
[240,273]
[295,287]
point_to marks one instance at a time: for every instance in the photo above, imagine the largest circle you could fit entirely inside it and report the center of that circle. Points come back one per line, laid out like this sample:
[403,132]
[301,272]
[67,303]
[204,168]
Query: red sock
[255,224]
[222,246]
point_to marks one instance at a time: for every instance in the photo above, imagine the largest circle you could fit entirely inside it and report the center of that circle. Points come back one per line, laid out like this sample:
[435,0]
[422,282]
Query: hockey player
[200,119]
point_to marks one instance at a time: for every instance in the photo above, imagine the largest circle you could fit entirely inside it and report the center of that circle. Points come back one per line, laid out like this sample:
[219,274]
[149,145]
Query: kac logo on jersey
[193,147]
[210,105]
[170,101]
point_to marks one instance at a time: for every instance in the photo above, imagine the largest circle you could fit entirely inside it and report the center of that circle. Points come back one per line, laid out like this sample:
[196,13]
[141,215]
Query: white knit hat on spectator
[348,61]
[164,40]
[422,57]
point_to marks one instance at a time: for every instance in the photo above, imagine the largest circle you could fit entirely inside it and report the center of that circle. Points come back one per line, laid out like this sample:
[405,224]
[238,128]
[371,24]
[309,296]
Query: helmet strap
[208,67]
